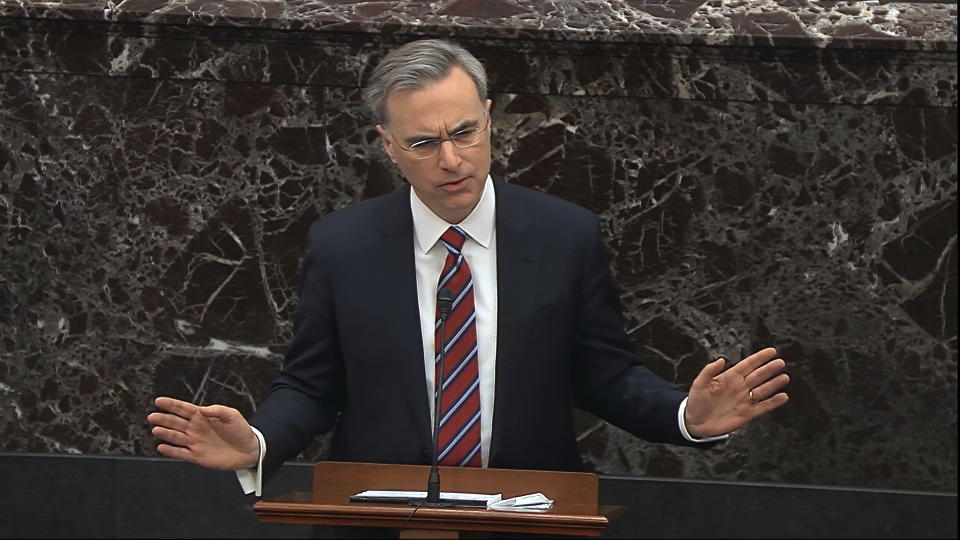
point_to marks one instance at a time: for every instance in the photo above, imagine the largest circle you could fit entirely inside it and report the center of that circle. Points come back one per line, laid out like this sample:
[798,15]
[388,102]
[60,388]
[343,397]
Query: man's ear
[387,143]
[488,104]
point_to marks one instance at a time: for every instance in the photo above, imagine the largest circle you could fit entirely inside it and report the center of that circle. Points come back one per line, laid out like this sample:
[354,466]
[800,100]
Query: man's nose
[449,156]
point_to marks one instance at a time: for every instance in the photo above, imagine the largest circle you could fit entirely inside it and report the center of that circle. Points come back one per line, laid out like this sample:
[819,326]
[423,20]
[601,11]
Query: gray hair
[416,64]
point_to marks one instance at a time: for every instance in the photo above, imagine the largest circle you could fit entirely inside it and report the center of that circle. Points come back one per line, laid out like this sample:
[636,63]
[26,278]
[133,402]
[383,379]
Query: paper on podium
[480,500]
[535,502]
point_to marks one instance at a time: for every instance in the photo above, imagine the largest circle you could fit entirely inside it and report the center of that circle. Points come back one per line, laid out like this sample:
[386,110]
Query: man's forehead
[434,124]
[449,101]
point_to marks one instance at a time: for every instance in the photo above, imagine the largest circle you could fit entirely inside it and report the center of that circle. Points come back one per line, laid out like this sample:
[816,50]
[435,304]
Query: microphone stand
[445,302]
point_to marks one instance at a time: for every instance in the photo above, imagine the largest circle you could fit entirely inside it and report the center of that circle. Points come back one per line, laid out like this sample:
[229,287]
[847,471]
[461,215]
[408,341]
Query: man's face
[451,182]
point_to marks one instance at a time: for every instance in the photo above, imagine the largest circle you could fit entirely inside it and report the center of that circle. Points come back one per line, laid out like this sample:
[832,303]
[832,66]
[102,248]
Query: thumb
[710,371]
[219,412]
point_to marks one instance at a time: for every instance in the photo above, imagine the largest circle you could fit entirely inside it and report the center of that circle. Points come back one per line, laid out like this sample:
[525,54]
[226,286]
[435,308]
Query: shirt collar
[428,227]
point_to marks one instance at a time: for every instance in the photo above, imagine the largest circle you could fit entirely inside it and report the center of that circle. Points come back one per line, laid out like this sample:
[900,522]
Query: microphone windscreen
[445,301]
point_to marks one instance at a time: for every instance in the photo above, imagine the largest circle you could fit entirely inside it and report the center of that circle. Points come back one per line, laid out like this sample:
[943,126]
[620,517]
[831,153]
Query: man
[534,328]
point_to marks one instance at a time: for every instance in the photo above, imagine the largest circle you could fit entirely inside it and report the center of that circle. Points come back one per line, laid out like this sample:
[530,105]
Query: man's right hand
[214,436]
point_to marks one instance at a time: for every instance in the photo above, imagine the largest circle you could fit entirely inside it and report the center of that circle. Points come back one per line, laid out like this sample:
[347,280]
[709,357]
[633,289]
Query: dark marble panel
[846,191]
[157,180]
[518,66]
[152,243]
[154,250]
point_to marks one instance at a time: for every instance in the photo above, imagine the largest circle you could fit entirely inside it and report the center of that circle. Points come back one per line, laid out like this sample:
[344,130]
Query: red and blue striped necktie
[458,441]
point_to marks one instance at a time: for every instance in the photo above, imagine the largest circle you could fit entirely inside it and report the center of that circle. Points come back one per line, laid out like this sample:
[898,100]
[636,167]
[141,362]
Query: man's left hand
[723,401]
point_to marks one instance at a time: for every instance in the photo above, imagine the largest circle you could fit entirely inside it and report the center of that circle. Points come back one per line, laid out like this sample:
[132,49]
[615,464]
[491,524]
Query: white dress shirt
[480,251]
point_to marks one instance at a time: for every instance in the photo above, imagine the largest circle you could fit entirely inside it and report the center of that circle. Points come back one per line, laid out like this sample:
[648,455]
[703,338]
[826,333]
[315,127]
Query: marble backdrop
[766,174]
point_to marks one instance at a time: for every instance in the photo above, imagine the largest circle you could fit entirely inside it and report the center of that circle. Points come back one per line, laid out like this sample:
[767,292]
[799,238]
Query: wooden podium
[575,511]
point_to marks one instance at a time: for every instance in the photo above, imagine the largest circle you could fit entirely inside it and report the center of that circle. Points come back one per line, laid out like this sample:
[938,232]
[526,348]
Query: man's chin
[459,206]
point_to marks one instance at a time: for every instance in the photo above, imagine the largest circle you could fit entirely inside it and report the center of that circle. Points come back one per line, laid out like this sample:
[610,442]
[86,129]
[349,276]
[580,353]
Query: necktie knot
[453,238]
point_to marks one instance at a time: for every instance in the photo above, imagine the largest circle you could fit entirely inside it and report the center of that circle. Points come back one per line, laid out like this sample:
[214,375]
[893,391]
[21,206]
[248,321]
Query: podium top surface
[308,508]
[575,511]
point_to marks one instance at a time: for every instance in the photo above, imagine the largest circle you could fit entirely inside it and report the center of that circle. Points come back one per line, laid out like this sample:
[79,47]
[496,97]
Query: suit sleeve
[307,397]
[611,381]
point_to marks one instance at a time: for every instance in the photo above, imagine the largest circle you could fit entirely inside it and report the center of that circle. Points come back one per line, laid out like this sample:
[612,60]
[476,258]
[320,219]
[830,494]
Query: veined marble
[766,173]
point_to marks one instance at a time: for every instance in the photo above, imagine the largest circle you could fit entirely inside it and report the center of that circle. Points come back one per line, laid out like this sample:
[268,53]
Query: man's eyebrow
[463,125]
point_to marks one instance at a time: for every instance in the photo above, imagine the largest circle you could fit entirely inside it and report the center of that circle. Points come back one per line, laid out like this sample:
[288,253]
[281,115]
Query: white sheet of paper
[534,502]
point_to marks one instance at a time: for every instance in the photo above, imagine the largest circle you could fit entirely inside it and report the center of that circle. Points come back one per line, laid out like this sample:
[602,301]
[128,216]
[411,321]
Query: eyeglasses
[427,148]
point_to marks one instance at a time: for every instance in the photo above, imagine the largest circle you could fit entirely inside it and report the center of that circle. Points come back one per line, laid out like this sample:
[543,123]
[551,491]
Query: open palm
[723,401]
[214,436]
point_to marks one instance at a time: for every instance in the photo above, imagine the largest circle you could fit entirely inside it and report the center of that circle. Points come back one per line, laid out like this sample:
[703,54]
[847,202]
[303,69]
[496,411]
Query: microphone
[445,299]
[445,303]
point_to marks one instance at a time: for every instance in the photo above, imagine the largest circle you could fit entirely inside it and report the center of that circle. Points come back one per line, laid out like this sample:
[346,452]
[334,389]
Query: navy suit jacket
[355,364]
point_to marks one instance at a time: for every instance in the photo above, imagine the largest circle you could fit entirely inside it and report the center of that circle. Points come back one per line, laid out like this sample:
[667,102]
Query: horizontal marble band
[862,25]
[588,69]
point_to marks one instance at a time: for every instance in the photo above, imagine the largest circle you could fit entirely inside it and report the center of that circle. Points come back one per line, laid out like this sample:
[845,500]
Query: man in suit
[534,328]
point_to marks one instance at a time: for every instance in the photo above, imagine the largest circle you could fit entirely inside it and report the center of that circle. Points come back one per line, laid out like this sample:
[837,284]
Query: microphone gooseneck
[444,303]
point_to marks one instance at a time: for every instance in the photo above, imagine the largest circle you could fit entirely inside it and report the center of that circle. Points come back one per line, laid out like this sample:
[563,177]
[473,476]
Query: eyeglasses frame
[441,140]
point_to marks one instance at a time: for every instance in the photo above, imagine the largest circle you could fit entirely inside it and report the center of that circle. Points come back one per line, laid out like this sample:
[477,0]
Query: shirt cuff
[686,434]
[251,480]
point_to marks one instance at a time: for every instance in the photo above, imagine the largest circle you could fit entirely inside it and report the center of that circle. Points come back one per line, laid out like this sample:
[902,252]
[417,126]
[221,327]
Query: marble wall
[766,173]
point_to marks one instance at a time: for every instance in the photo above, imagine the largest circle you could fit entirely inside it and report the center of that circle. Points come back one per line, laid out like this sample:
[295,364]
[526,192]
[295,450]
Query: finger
[771,387]
[764,373]
[171,436]
[176,452]
[183,409]
[170,421]
[709,371]
[767,405]
[752,362]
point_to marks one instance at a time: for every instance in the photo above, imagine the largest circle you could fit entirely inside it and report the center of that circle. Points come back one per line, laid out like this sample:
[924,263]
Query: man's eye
[464,134]
[426,143]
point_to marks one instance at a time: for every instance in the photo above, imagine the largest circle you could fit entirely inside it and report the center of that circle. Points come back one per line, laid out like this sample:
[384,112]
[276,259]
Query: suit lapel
[517,251]
[399,304]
